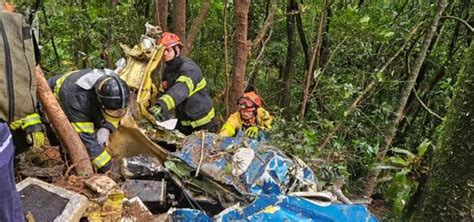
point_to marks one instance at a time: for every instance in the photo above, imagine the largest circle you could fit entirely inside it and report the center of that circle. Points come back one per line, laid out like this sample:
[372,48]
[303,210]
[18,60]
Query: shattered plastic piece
[241,161]
[185,215]
[290,208]
[146,190]
[109,210]
[321,198]
[141,166]
[168,124]
[100,184]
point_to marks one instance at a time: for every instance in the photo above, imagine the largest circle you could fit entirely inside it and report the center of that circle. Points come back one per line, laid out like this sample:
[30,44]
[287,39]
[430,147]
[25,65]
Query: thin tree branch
[369,88]
[325,65]
[253,76]
[197,23]
[460,20]
[426,107]
[266,25]
[314,57]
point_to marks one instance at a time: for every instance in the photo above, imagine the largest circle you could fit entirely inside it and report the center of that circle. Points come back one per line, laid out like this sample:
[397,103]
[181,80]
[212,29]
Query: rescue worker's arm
[109,122]
[188,82]
[101,159]
[231,126]
[33,128]
[265,119]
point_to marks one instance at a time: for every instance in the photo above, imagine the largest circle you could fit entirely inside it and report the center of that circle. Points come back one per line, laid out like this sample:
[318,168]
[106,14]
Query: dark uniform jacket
[78,99]
[186,90]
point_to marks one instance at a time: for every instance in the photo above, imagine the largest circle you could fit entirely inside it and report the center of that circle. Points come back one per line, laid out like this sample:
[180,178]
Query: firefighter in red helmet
[184,90]
[251,117]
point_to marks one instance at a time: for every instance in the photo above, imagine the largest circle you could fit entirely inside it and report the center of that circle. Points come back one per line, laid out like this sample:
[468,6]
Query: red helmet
[250,99]
[169,39]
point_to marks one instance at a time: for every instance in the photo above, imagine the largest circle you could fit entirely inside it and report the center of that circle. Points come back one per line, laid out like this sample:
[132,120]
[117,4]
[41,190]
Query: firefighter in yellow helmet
[251,118]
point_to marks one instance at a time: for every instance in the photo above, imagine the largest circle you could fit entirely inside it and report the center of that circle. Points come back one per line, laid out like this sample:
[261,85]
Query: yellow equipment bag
[137,73]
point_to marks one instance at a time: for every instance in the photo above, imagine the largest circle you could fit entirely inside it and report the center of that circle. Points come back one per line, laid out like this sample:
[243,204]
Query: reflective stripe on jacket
[83,111]
[187,93]
[235,123]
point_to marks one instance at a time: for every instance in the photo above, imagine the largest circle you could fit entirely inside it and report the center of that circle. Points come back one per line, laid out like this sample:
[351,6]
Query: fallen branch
[203,136]
[66,133]
[69,168]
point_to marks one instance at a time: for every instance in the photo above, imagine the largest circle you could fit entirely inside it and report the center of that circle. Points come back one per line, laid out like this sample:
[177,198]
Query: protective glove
[102,136]
[37,138]
[158,113]
[252,132]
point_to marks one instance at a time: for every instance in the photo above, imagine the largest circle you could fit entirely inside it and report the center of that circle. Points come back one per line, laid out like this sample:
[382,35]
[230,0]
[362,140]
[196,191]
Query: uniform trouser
[187,130]
[10,204]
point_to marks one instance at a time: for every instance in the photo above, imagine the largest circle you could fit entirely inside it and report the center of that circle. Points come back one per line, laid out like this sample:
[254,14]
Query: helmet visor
[246,103]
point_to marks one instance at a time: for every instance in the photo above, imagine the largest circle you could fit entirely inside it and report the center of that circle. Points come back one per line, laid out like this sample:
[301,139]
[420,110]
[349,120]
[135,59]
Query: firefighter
[251,118]
[94,102]
[184,89]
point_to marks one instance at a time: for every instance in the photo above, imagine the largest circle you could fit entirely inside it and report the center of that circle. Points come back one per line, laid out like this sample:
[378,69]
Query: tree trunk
[241,52]
[392,126]
[314,57]
[68,137]
[449,192]
[304,44]
[179,19]
[413,106]
[226,62]
[107,43]
[161,14]
[197,23]
[285,97]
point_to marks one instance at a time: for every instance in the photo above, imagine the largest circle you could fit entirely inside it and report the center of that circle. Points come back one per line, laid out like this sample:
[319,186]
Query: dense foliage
[360,38]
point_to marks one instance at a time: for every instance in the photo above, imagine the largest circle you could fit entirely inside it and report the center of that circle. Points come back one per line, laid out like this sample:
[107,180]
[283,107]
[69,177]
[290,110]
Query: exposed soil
[379,208]
[135,211]
[77,184]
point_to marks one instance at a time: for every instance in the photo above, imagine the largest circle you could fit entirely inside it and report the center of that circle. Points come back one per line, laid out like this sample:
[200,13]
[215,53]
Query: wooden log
[66,133]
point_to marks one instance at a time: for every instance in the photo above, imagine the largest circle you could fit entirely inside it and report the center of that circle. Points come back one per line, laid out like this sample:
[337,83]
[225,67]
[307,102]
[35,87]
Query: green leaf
[423,147]
[379,76]
[399,161]
[403,151]
[388,34]
[386,167]
[365,19]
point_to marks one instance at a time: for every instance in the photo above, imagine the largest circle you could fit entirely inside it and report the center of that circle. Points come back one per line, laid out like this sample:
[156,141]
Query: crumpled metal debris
[241,161]
[270,171]
[140,166]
